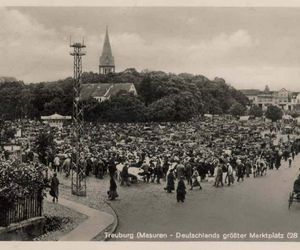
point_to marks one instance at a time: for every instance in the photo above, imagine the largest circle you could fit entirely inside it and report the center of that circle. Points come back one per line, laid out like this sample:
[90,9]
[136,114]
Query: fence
[23,209]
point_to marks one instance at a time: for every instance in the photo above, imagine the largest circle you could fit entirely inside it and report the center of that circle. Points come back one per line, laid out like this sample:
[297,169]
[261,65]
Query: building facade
[285,99]
[56,120]
[107,61]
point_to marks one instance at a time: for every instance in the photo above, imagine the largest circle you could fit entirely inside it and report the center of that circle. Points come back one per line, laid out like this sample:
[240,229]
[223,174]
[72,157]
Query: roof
[250,91]
[116,88]
[107,59]
[103,89]
[283,90]
[55,117]
[94,90]
[257,92]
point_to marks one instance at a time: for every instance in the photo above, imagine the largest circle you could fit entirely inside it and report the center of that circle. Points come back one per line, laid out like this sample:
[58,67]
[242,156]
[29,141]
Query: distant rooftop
[250,91]
[265,91]
[7,79]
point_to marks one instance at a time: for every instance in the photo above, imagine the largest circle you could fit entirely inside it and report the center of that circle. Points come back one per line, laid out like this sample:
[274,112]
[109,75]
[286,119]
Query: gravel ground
[54,209]
[96,193]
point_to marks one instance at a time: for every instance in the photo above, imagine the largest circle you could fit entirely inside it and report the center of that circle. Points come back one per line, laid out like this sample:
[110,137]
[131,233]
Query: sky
[248,47]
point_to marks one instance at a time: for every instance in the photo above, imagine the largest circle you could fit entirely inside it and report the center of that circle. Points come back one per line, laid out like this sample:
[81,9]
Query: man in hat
[170,182]
[67,165]
[229,176]
[219,175]
[180,170]
[240,169]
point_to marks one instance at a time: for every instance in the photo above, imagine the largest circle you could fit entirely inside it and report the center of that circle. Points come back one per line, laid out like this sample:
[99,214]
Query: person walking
[125,175]
[67,165]
[229,176]
[56,164]
[165,168]
[170,182]
[181,190]
[54,187]
[219,176]
[196,179]
[189,174]
[240,170]
[112,192]
[112,169]
[158,172]
[290,160]
[180,170]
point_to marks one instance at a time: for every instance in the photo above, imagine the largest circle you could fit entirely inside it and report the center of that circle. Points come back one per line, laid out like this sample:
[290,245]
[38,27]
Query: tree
[126,108]
[255,111]
[151,89]
[10,105]
[237,109]
[177,107]
[274,113]
[186,93]
[44,145]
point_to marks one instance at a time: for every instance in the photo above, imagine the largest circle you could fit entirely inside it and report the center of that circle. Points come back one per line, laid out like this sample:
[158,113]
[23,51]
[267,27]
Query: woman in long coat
[112,192]
[54,187]
[170,182]
[181,190]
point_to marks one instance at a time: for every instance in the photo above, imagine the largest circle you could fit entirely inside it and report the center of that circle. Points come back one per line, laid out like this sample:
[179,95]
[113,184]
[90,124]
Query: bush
[18,180]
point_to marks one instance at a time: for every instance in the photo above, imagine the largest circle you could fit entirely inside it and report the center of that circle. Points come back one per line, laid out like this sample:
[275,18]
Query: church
[104,91]
[107,61]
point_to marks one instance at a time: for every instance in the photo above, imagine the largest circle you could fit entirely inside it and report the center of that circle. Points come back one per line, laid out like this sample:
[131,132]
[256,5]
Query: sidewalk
[96,223]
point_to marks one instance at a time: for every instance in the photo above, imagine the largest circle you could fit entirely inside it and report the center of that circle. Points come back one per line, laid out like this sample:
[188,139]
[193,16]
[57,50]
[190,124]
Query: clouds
[28,47]
[238,39]
[182,54]
[225,43]
[34,52]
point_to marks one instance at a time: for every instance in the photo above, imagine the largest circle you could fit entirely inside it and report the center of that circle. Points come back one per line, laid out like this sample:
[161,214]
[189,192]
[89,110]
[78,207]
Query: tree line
[161,97]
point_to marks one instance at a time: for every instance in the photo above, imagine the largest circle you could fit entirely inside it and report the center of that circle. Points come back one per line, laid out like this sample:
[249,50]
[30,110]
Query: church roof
[107,59]
[116,88]
[95,90]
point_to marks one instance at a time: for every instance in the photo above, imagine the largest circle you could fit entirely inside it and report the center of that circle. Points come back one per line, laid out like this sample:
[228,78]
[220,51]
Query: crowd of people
[225,149]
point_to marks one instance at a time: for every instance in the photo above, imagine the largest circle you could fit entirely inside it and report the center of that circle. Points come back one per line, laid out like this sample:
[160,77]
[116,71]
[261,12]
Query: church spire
[107,62]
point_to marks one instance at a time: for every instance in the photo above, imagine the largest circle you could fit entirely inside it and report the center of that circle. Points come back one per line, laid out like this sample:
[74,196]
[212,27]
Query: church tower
[107,62]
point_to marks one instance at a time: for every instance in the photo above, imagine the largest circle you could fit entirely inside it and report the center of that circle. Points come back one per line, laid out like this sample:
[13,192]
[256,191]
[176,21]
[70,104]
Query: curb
[111,228]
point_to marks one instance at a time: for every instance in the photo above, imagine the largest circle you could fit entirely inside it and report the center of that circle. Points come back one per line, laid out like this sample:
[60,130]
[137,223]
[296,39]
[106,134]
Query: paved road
[257,205]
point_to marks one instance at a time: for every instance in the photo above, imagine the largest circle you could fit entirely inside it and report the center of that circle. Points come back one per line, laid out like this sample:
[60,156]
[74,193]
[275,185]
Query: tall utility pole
[78,184]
